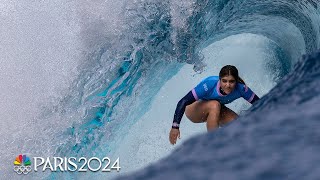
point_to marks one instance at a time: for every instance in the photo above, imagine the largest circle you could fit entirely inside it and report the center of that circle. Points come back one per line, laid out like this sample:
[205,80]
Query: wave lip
[277,139]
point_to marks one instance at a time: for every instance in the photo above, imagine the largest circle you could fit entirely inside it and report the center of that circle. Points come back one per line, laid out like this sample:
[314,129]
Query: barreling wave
[121,76]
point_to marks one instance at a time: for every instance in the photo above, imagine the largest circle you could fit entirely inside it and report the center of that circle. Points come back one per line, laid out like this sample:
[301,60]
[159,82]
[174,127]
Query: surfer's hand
[174,134]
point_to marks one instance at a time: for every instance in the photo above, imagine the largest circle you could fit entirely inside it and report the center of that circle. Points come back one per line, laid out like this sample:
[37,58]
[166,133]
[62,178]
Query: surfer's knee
[213,106]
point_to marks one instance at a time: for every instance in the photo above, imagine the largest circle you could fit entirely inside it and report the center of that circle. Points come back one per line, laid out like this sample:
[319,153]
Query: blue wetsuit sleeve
[255,98]
[181,106]
[248,94]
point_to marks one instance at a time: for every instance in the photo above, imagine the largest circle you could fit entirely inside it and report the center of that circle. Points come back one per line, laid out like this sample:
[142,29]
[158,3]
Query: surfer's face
[228,83]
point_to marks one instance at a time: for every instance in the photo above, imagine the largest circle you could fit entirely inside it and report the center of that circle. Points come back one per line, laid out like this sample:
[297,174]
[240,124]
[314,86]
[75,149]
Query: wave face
[126,51]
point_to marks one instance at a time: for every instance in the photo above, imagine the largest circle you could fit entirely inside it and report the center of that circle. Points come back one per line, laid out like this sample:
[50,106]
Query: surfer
[206,102]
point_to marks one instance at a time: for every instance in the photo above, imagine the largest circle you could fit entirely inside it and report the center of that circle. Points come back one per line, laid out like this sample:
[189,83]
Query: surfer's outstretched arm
[248,94]
[181,106]
[255,98]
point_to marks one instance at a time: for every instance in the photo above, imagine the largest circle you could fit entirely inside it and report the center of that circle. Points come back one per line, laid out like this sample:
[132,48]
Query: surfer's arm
[181,106]
[249,95]
[255,98]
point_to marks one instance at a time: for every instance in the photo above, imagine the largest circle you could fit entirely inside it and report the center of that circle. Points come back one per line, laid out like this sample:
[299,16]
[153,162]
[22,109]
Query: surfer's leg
[227,115]
[197,112]
[213,119]
[204,111]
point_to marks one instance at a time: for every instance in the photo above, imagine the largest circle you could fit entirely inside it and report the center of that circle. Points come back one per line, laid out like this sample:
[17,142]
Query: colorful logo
[22,164]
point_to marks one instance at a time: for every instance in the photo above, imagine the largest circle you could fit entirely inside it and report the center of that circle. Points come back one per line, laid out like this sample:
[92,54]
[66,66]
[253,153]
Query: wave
[125,65]
[125,73]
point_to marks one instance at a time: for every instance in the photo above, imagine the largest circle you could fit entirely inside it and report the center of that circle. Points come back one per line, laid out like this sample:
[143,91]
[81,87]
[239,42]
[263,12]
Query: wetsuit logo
[205,87]
[22,164]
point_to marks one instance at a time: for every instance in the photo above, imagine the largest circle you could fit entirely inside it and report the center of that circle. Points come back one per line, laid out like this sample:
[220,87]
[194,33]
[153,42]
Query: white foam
[42,45]
[39,52]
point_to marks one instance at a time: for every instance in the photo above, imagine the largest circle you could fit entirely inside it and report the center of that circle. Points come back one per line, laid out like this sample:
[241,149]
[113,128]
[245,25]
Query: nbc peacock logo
[22,164]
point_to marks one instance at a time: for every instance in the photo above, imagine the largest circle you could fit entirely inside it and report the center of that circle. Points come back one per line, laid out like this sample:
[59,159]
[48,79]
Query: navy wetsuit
[209,89]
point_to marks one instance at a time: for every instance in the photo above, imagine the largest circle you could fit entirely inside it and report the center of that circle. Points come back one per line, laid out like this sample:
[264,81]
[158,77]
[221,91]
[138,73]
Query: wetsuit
[209,89]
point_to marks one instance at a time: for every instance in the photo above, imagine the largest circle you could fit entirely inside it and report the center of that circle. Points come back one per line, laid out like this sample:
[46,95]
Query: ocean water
[102,78]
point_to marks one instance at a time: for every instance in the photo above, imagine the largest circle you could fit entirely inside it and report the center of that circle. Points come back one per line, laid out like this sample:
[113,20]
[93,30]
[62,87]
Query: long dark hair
[231,70]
